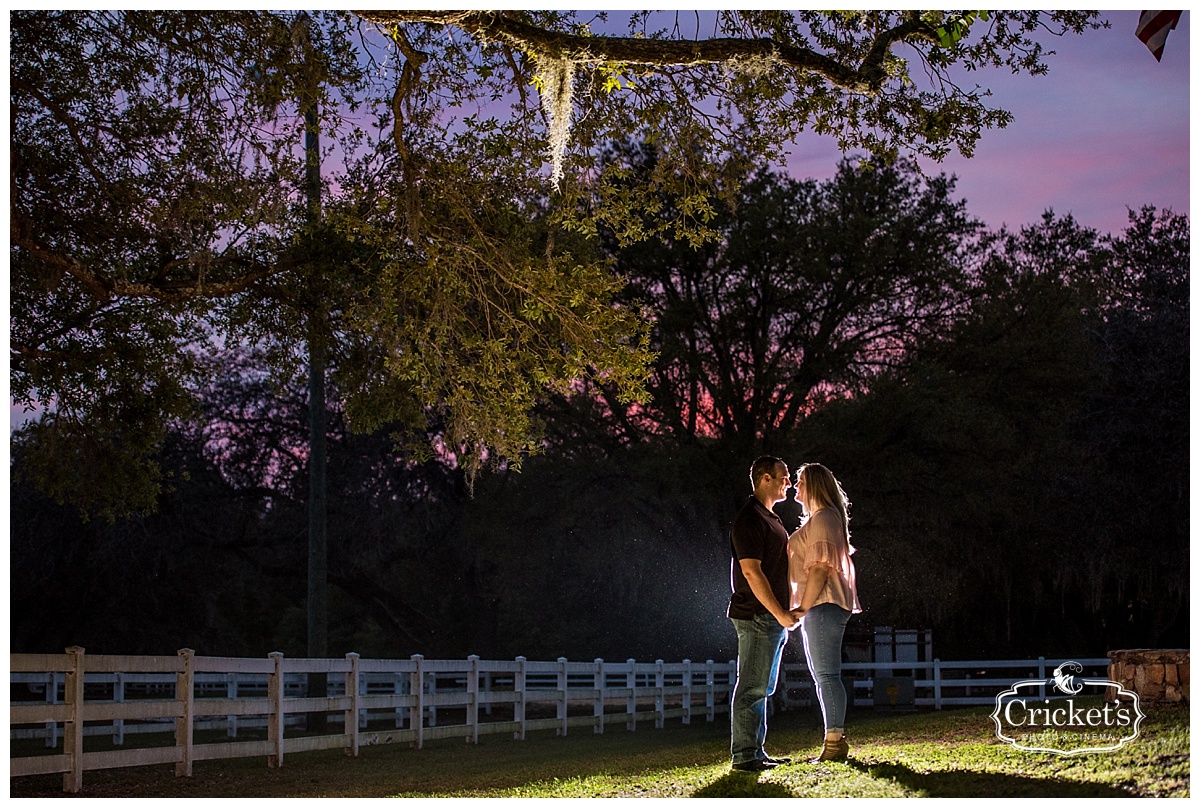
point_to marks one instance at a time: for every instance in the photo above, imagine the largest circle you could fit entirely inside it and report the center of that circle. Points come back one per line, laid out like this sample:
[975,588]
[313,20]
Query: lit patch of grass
[946,754]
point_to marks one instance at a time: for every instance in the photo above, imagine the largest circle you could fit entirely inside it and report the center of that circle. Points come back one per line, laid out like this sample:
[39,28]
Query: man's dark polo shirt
[757,533]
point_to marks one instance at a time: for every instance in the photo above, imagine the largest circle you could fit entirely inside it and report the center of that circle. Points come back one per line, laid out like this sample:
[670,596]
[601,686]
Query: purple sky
[1105,130]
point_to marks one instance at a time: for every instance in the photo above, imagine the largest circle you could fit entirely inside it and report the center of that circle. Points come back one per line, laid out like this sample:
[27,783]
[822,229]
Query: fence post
[351,721]
[73,731]
[398,689]
[231,692]
[488,676]
[631,701]
[687,691]
[52,698]
[473,698]
[275,715]
[598,710]
[562,697]
[937,684]
[364,689]
[185,694]
[1042,676]
[416,713]
[118,698]
[660,705]
[710,687]
[519,704]
[432,708]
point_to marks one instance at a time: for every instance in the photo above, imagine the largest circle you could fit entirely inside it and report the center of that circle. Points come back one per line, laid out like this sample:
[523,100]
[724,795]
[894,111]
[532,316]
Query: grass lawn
[953,753]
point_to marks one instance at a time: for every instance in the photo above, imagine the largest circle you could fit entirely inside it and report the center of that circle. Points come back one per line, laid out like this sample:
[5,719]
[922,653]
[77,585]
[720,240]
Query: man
[758,609]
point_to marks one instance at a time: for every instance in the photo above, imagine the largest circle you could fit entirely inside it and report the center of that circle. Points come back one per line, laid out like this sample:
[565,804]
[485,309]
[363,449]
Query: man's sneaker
[755,765]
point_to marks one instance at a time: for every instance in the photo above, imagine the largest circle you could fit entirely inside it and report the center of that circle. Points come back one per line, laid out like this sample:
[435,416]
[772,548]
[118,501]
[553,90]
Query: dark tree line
[1008,412]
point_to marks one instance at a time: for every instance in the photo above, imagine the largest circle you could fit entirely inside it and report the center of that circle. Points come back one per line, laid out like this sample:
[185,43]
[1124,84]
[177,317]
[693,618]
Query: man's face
[778,483]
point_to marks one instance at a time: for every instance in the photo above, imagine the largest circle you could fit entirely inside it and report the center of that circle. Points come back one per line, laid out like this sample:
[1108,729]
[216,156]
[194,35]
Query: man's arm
[752,569]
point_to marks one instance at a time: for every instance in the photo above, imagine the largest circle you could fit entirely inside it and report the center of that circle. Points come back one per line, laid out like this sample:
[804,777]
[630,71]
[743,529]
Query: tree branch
[104,288]
[72,129]
[867,78]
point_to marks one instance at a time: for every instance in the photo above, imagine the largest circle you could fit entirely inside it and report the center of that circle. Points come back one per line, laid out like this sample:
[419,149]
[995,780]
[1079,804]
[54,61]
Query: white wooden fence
[538,695]
[396,701]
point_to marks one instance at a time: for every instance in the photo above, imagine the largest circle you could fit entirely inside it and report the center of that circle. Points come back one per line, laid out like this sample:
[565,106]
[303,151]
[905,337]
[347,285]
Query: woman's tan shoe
[834,750]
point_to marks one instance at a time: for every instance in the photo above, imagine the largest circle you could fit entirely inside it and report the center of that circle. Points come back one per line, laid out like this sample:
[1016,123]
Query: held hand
[799,613]
[789,620]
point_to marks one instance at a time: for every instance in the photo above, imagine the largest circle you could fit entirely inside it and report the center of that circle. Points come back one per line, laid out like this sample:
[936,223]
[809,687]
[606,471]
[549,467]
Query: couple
[780,582]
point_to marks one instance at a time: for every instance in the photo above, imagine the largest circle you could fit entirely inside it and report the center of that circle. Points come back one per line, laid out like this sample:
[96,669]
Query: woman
[824,594]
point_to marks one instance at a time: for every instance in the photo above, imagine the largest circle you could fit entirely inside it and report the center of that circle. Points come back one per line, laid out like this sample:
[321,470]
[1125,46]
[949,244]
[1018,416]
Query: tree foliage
[994,500]
[145,154]
[885,83]
[156,176]
[810,291]
[838,72]
[152,173]
[156,169]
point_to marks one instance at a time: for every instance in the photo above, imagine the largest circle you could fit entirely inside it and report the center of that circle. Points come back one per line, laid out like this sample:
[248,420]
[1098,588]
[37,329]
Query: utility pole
[317,535]
[318,646]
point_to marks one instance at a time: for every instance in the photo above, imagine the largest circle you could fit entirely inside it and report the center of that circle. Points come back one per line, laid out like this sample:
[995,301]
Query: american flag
[1153,28]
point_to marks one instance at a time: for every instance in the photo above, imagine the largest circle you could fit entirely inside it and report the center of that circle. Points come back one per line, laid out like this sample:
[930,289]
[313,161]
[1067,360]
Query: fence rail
[936,683]
[62,698]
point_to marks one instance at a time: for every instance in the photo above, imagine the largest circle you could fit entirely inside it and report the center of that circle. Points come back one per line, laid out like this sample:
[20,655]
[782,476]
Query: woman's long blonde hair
[824,491]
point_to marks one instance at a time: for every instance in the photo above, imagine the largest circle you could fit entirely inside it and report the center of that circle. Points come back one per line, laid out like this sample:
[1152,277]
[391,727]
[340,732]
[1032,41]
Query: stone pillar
[1158,676]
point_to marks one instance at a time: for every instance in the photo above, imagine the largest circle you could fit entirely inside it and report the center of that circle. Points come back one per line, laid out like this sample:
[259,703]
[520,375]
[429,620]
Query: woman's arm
[818,574]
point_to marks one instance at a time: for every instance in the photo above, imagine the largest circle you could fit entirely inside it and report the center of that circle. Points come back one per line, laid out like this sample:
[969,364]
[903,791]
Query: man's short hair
[767,464]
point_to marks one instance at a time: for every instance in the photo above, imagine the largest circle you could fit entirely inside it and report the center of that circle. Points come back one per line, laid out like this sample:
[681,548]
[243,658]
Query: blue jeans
[823,627]
[760,647]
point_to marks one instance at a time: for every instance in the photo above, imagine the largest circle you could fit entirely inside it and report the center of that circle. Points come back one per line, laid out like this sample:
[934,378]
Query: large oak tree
[156,206]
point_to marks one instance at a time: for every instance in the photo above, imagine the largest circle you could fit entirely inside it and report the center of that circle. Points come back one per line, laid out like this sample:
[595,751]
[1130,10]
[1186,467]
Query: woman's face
[801,495]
